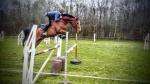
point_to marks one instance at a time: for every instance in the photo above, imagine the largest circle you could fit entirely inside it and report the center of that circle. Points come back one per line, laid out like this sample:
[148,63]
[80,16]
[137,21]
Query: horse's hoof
[62,36]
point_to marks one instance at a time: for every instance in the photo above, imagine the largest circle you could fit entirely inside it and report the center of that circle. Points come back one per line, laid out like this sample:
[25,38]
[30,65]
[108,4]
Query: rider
[54,16]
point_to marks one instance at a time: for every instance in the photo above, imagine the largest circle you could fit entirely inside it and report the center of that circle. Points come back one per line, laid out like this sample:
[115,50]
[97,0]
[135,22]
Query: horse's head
[74,21]
[76,24]
[60,27]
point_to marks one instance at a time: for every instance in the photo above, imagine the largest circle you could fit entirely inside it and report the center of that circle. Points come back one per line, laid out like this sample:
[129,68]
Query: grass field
[104,58]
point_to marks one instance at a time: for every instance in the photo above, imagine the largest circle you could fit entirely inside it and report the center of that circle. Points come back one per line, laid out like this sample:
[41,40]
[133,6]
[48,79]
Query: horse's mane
[68,15]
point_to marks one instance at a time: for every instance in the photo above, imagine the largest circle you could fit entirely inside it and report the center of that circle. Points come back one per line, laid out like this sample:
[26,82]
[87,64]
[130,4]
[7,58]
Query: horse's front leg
[39,41]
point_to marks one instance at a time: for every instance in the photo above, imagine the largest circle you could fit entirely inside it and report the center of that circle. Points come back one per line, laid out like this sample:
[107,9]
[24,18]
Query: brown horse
[59,27]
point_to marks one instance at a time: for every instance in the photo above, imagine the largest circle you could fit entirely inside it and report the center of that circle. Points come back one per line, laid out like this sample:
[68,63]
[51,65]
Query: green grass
[104,58]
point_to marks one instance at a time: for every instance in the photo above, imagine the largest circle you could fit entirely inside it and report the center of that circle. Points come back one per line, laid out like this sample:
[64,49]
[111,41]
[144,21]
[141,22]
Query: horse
[56,27]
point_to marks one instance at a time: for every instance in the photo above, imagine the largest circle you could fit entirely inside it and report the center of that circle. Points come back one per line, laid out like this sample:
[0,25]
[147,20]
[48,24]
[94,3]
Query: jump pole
[49,49]
[47,40]
[41,69]
[59,42]
[65,57]
[76,60]
[65,76]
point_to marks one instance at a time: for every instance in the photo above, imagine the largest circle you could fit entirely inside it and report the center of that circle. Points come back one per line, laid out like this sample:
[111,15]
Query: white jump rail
[43,66]
[2,35]
[146,42]
[58,41]
[20,37]
[67,51]
[29,52]
[94,37]
[71,48]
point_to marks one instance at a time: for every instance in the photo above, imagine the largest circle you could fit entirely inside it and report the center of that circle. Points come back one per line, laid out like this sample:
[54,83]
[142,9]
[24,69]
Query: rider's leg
[48,24]
[46,28]
[44,34]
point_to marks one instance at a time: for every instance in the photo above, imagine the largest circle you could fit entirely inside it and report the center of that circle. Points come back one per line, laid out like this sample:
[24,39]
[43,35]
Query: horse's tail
[26,34]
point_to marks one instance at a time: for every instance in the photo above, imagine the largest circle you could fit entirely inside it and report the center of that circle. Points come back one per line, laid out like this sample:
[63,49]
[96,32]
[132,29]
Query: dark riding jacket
[54,15]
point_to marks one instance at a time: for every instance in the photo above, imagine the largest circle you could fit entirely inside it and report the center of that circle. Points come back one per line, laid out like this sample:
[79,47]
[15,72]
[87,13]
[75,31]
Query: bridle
[67,20]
